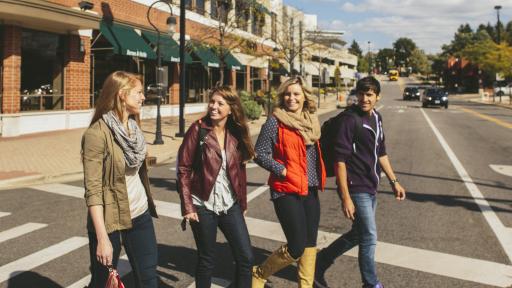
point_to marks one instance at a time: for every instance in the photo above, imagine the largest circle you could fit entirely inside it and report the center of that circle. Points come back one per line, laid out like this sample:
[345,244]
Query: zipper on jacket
[375,145]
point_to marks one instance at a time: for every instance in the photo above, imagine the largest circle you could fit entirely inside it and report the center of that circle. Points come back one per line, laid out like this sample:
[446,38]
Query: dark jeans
[299,217]
[140,245]
[232,224]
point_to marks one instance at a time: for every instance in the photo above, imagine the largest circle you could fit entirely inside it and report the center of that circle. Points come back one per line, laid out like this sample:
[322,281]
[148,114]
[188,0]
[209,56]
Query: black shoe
[320,269]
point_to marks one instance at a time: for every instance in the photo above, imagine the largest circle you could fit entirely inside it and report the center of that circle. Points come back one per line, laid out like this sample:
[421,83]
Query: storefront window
[240,79]
[255,79]
[200,7]
[197,83]
[42,78]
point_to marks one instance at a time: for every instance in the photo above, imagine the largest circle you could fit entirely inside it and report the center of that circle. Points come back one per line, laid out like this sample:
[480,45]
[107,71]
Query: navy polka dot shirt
[264,150]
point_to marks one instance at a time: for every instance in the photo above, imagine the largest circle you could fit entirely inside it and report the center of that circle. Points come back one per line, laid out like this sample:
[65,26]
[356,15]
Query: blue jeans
[232,224]
[363,233]
[140,245]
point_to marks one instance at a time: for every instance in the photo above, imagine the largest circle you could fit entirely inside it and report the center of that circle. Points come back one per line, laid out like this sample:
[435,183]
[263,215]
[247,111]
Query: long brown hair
[309,103]
[237,122]
[118,82]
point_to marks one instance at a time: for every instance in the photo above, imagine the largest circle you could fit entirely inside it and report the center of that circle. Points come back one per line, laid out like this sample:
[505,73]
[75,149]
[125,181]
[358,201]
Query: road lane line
[503,234]
[465,268]
[123,268]
[488,118]
[3,214]
[20,230]
[502,169]
[257,192]
[61,189]
[41,257]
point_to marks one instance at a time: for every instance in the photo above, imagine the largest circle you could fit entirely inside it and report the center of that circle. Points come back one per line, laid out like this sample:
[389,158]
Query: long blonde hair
[119,82]
[309,103]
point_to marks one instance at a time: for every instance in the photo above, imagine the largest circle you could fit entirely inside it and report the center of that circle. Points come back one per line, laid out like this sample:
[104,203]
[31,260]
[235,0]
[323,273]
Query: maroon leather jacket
[200,183]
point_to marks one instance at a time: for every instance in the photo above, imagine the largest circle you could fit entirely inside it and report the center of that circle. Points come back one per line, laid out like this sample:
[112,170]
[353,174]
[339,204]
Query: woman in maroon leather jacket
[213,188]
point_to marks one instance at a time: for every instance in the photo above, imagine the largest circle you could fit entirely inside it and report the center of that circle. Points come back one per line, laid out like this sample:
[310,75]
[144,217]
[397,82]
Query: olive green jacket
[104,178]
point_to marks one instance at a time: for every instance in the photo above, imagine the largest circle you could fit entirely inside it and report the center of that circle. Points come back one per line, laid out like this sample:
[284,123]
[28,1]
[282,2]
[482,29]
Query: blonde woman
[288,148]
[120,206]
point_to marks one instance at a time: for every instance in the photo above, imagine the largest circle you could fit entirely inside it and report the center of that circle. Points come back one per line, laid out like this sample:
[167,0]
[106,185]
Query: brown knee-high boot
[306,268]
[275,262]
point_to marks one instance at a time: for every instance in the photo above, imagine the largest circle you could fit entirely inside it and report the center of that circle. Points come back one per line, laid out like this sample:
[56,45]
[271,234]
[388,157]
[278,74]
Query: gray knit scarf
[134,145]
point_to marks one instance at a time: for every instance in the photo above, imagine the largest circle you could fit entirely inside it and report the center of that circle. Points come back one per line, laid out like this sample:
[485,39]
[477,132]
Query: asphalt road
[454,229]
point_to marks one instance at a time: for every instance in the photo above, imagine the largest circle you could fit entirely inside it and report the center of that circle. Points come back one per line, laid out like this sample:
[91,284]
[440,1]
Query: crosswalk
[443,264]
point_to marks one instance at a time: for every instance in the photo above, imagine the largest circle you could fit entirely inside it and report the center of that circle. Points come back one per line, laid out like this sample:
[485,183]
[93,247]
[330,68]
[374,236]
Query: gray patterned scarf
[134,145]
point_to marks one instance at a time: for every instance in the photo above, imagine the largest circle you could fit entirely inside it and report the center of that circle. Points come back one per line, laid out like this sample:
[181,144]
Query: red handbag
[114,280]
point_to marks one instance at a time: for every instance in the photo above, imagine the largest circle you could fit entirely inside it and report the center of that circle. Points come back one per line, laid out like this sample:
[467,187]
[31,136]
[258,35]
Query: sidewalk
[55,156]
[476,98]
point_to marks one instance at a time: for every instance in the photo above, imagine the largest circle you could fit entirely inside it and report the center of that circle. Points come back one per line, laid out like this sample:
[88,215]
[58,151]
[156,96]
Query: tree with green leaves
[420,62]
[354,49]
[403,50]
[386,58]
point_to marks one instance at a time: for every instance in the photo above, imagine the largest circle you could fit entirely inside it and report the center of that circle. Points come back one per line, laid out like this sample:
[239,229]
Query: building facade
[56,54]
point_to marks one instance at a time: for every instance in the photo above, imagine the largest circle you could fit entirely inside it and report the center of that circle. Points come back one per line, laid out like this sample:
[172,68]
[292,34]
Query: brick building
[55,55]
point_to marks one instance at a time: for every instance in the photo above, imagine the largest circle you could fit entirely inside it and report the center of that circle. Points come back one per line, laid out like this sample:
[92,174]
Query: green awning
[232,62]
[207,56]
[126,41]
[169,48]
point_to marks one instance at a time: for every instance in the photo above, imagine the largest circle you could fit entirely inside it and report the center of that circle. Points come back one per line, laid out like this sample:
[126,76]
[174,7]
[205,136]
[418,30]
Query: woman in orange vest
[288,148]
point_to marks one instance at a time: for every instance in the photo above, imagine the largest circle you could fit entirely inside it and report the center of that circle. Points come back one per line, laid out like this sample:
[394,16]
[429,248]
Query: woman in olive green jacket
[117,192]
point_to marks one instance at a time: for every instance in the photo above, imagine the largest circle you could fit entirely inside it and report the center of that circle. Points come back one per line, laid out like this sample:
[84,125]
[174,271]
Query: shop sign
[136,53]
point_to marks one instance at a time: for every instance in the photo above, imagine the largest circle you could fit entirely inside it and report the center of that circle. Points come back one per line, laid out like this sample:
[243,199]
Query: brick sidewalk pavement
[55,156]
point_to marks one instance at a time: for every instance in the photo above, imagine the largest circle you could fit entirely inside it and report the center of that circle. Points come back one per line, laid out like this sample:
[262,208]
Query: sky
[429,23]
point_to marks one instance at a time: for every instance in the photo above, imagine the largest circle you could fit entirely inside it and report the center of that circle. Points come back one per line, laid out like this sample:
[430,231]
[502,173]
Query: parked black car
[411,93]
[435,97]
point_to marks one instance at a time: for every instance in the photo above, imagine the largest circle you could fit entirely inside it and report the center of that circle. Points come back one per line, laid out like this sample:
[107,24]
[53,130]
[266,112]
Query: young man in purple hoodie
[359,160]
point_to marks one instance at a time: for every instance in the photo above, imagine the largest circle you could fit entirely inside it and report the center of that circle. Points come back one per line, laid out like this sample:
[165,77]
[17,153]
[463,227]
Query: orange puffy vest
[290,151]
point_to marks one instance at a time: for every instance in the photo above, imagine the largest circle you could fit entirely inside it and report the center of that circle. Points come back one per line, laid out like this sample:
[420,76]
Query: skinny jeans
[299,217]
[140,245]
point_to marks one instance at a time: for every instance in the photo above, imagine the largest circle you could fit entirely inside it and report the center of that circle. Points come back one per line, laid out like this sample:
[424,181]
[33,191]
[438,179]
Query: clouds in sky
[430,23]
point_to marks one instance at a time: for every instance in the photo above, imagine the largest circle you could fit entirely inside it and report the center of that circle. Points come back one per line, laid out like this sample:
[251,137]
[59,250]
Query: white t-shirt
[137,197]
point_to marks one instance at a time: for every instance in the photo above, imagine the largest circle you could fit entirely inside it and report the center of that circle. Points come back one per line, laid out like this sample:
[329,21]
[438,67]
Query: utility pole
[292,47]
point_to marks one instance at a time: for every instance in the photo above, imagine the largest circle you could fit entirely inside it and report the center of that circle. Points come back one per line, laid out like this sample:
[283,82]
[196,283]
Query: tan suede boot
[306,268]
[275,262]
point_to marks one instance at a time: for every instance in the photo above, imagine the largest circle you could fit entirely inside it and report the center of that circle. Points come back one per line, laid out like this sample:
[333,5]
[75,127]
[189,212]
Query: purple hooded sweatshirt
[361,158]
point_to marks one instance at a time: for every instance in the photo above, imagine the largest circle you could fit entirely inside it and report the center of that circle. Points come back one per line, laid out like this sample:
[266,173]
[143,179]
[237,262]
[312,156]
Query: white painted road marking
[123,268]
[41,257]
[503,234]
[20,230]
[3,214]
[61,189]
[248,166]
[465,268]
[257,192]
[502,169]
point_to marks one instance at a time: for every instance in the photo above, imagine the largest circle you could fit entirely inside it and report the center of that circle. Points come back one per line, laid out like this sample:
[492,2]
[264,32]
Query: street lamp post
[181,132]
[369,58]
[171,22]
[498,7]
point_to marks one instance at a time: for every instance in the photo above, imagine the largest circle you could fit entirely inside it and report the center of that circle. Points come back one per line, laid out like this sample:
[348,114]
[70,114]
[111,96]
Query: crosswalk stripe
[61,189]
[41,257]
[257,192]
[3,214]
[459,267]
[123,268]
[20,230]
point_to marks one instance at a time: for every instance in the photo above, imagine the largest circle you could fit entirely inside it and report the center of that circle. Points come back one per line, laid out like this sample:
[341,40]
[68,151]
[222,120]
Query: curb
[493,104]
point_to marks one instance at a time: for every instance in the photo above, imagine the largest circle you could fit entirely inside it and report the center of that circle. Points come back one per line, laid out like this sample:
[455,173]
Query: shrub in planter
[252,109]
